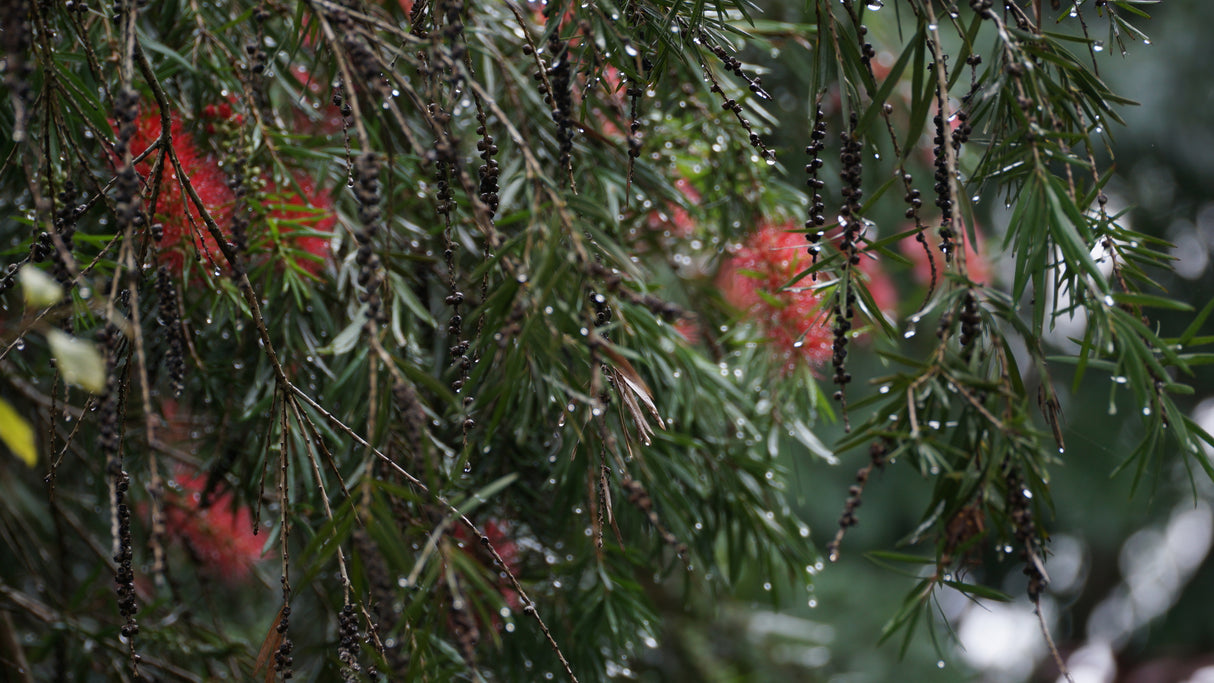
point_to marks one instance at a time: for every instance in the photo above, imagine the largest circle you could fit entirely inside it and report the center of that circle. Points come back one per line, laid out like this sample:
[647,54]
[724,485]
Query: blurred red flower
[305,210]
[498,534]
[793,319]
[219,535]
[184,229]
[977,265]
[676,220]
[751,280]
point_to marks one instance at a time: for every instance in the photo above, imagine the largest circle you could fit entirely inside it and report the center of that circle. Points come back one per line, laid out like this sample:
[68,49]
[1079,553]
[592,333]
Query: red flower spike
[497,533]
[880,286]
[977,265]
[677,221]
[184,229]
[751,280]
[220,535]
[312,211]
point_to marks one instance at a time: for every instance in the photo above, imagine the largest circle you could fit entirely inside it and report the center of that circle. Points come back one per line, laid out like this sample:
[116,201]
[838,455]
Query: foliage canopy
[500,322]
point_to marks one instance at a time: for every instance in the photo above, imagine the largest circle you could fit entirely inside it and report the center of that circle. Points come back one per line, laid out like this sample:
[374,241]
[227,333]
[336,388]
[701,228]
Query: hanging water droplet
[1098,46]
[1146,410]
[875,5]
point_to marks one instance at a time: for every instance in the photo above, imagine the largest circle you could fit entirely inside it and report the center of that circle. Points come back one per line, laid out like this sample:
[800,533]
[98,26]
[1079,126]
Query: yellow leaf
[39,288]
[79,361]
[17,434]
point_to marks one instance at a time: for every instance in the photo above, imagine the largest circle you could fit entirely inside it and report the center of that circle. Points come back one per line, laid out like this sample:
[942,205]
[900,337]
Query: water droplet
[1098,46]
[812,603]
[875,5]
[1146,410]
[1108,300]
[940,664]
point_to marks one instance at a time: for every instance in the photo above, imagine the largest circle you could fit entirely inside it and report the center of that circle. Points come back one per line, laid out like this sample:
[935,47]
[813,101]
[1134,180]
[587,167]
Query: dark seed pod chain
[489,171]
[64,225]
[636,133]
[877,454]
[971,322]
[348,644]
[732,105]
[634,90]
[284,662]
[257,61]
[15,42]
[852,174]
[817,208]
[560,98]
[370,269]
[174,336]
[1020,512]
[943,186]
[110,424]
[382,604]
[127,200]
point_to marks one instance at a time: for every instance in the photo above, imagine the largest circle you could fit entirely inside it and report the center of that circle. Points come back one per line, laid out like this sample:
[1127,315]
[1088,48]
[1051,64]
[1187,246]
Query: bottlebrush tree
[459,340]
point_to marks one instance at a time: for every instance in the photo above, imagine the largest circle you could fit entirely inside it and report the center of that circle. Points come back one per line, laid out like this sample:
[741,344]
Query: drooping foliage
[459,339]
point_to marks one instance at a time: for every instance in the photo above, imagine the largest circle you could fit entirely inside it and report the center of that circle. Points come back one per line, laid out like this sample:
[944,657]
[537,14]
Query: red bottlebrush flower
[307,210]
[497,533]
[751,281]
[880,286]
[221,117]
[315,94]
[220,535]
[977,265]
[677,221]
[689,330]
[175,211]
